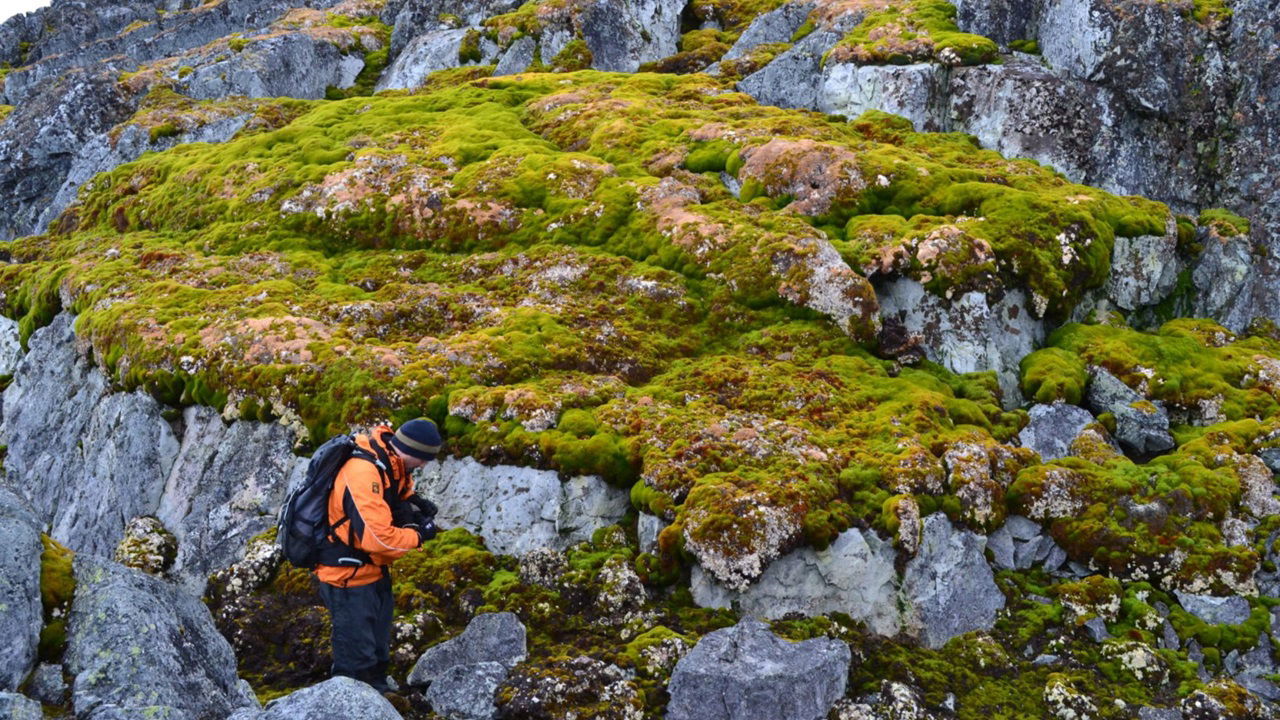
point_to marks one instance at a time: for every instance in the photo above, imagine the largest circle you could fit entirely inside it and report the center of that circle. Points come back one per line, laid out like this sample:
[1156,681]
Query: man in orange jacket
[375,518]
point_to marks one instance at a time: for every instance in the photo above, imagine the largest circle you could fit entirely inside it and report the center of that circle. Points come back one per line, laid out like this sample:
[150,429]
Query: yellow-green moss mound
[640,276]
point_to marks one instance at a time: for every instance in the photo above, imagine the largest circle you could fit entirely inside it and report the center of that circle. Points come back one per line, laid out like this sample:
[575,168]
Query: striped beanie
[418,438]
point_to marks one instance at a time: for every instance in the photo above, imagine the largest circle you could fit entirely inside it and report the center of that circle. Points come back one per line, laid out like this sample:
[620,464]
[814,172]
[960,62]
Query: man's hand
[426,530]
[424,506]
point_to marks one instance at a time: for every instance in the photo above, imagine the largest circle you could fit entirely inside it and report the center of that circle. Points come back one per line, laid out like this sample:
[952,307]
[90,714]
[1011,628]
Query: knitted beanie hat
[418,438]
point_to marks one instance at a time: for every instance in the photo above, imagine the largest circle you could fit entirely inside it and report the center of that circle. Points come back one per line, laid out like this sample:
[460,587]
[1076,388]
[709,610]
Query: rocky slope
[939,338]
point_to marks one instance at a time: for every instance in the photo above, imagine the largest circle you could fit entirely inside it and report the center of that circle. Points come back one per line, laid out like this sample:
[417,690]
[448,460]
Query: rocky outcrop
[746,672]
[948,586]
[21,614]
[520,509]
[44,133]
[67,453]
[966,334]
[227,484]
[854,575]
[1144,269]
[102,458]
[138,645]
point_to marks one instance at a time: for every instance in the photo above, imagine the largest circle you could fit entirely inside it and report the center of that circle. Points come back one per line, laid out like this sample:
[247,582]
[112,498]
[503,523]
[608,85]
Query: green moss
[1053,374]
[907,31]
[469,48]
[57,588]
[575,55]
[164,131]
[1224,222]
[1027,46]
[237,43]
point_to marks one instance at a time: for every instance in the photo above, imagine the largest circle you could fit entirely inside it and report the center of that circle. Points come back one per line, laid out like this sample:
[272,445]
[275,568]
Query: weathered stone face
[748,672]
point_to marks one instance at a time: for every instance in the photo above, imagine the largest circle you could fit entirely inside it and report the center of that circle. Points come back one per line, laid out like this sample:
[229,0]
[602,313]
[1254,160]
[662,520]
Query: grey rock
[21,613]
[1142,427]
[1224,272]
[854,575]
[1000,543]
[1001,20]
[1231,663]
[967,334]
[1096,628]
[42,135]
[1054,560]
[1260,686]
[1169,639]
[428,53]
[519,510]
[948,587]
[16,707]
[648,527]
[10,348]
[489,637]
[137,642]
[1258,660]
[47,684]
[1043,660]
[1023,528]
[88,458]
[775,26]
[1053,428]
[517,58]
[465,692]
[792,79]
[1230,610]
[1144,269]
[747,672]
[226,485]
[334,698]
[1271,457]
[916,92]
[1151,713]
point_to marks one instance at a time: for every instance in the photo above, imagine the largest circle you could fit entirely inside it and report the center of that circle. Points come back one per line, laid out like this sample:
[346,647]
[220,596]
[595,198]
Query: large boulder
[227,484]
[489,637]
[140,646]
[21,614]
[465,692]
[747,672]
[916,92]
[970,333]
[1142,426]
[518,509]
[339,697]
[1144,269]
[948,587]
[854,575]
[87,459]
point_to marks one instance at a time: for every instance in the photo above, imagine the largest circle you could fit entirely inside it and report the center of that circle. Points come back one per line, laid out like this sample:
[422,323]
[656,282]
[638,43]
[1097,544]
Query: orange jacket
[360,495]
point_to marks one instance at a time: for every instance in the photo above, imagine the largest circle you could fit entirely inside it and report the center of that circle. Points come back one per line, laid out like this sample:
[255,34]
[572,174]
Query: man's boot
[381,670]
[375,678]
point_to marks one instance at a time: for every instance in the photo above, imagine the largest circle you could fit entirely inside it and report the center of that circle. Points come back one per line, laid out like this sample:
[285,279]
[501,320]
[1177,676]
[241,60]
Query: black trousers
[361,636]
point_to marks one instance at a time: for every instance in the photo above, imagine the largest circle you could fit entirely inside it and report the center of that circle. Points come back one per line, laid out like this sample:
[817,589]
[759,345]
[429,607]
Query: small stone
[489,637]
[1022,528]
[1169,637]
[465,692]
[1042,660]
[1230,610]
[1096,627]
[1000,543]
[47,685]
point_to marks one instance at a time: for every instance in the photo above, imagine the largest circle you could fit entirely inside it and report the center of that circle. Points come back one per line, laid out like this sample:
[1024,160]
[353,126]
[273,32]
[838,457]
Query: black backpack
[303,529]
